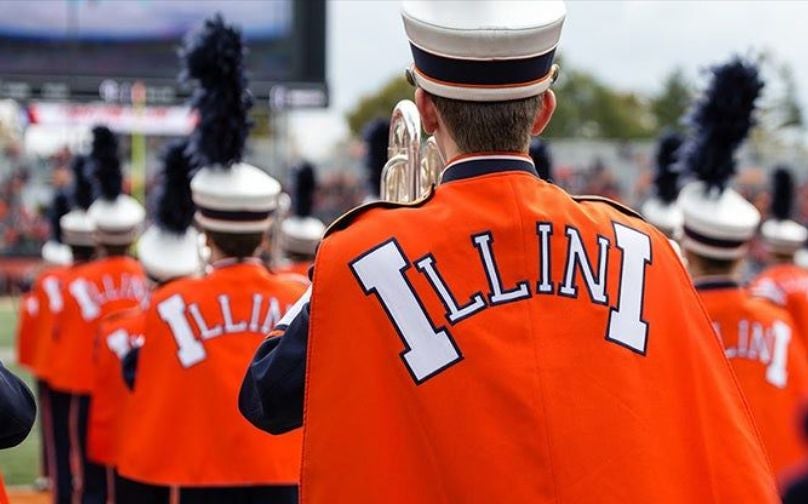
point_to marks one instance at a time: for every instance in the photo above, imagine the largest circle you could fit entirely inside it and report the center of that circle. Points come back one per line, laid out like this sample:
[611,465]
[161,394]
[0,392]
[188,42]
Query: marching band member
[169,251]
[35,331]
[77,233]
[759,339]
[201,333]
[91,290]
[783,281]
[661,209]
[301,232]
[499,340]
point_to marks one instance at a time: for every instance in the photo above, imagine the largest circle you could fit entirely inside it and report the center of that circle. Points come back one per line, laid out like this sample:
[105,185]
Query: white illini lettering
[54,293]
[227,314]
[576,256]
[381,272]
[172,312]
[626,326]
[497,295]
[545,285]
[80,289]
[453,312]
[776,372]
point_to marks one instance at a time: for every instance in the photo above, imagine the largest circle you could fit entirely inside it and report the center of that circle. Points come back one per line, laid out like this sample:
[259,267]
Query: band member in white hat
[497,340]
[784,281]
[718,225]
[169,251]
[77,233]
[201,333]
[112,282]
[301,232]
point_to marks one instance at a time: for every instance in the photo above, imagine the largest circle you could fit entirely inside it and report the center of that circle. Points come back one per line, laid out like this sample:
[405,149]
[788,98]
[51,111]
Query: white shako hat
[483,50]
[719,222]
[118,217]
[231,196]
[300,232]
[170,246]
[77,225]
[780,233]
[55,251]
[662,209]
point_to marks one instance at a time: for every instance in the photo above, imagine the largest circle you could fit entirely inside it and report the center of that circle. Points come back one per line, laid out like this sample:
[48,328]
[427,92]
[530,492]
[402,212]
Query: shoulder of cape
[352,215]
[617,206]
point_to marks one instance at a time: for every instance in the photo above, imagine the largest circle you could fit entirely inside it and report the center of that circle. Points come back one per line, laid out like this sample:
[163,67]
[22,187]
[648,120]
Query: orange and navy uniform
[27,336]
[200,336]
[763,346]
[786,285]
[500,327]
[90,292]
[50,301]
[118,334]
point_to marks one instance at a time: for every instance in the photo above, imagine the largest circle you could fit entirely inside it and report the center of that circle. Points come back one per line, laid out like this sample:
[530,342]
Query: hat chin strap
[483,93]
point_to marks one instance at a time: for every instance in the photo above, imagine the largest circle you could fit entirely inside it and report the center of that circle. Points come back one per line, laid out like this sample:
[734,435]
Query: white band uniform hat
[77,225]
[483,50]
[718,221]
[170,246]
[118,217]
[301,232]
[231,196]
[662,209]
[781,234]
[54,251]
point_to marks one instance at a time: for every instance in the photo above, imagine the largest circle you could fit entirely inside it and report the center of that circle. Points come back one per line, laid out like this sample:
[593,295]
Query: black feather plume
[666,179]
[305,186]
[376,135]
[58,208]
[782,193]
[106,166]
[175,207]
[721,121]
[213,57]
[540,153]
[82,192]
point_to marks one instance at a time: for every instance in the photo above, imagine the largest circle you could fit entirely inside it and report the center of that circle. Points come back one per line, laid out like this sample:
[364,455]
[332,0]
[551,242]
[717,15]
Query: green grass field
[20,465]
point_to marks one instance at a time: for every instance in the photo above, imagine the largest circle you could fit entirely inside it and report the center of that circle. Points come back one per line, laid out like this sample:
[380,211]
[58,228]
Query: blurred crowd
[27,184]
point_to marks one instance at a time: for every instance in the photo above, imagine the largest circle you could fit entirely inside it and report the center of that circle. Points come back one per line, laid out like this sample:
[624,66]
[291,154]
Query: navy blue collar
[484,164]
[715,283]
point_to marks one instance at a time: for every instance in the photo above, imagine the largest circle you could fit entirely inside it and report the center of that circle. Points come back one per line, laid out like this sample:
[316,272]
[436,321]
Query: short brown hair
[237,245]
[489,126]
[712,266]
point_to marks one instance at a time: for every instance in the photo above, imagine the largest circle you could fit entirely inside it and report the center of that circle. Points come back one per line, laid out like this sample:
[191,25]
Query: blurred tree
[379,104]
[588,108]
[672,103]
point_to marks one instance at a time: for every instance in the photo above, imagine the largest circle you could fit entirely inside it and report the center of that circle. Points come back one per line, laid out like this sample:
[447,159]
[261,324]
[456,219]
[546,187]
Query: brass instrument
[411,169]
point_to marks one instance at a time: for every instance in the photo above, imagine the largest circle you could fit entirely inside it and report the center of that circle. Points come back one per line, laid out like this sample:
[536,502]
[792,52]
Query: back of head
[485,64]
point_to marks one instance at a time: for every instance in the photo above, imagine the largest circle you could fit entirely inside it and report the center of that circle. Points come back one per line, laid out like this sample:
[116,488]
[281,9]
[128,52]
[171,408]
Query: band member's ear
[544,113]
[426,107]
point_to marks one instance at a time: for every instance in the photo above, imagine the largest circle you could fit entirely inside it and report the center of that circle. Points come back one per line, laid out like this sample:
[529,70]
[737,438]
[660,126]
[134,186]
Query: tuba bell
[411,169]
